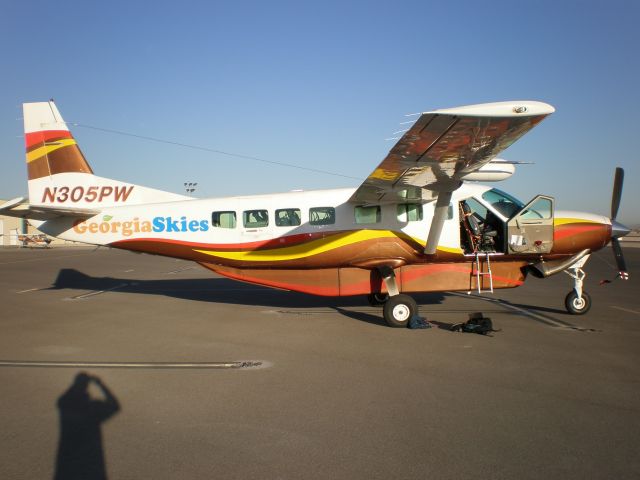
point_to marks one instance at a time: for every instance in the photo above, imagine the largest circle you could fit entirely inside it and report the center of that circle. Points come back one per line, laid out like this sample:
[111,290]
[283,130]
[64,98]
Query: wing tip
[515,108]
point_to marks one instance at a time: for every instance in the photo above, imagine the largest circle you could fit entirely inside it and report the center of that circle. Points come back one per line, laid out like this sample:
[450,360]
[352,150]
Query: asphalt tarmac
[194,376]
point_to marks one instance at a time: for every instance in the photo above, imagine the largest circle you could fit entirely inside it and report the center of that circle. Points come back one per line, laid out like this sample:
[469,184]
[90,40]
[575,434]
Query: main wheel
[399,309]
[377,299]
[575,305]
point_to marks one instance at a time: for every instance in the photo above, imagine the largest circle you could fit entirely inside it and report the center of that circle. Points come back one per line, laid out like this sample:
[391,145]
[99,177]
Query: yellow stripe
[382,174]
[314,247]
[564,221]
[46,149]
[450,249]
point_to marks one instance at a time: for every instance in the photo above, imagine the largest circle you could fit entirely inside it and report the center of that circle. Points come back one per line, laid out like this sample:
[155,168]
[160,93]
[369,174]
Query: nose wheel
[577,305]
[578,301]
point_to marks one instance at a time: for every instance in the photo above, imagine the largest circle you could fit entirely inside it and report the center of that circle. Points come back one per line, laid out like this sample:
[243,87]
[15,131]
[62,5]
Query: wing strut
[439,216]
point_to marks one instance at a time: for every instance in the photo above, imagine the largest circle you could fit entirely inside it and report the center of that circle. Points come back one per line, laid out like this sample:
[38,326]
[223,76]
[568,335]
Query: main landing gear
[578,301]
[377,299]
[398,308]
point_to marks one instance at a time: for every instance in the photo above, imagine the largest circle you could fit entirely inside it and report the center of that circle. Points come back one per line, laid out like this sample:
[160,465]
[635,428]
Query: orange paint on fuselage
[571,238]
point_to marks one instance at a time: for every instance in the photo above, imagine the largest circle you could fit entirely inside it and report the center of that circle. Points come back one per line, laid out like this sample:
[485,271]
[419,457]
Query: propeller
[617,229]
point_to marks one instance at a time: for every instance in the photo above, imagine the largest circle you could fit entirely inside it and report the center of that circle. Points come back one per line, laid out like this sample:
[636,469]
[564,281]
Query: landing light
[521,109]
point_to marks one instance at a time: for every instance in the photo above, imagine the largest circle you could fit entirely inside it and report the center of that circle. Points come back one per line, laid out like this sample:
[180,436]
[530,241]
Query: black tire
[575,306]
[377,299]
[398,310]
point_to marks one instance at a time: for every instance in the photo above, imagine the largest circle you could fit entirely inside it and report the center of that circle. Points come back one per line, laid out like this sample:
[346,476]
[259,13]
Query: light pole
[190,187]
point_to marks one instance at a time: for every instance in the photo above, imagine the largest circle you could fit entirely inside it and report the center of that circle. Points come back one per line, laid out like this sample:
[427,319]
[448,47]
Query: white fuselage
[190,220]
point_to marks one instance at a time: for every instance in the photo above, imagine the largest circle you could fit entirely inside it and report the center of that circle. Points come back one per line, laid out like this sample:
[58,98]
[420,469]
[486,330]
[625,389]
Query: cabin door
[531,229]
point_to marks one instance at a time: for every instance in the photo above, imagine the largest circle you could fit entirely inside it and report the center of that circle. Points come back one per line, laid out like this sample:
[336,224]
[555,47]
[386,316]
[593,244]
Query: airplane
[419,222]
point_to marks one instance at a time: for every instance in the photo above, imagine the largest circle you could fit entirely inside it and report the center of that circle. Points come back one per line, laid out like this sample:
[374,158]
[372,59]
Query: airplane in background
[418,223]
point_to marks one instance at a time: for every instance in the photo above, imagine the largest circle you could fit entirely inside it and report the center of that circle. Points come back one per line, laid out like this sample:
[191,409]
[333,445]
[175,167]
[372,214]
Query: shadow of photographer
[80,448]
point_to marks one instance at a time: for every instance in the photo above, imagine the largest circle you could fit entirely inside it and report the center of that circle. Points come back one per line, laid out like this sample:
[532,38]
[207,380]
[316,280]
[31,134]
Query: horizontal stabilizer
[18,207]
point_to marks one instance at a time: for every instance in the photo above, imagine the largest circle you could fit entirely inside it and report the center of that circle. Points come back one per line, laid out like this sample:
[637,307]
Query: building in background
[18,232]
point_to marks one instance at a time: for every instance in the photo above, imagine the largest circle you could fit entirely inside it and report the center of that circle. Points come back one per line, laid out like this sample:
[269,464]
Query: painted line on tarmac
[31,290]
[246,364]
[535,316]
[625,309]
[97,292]
[315,311]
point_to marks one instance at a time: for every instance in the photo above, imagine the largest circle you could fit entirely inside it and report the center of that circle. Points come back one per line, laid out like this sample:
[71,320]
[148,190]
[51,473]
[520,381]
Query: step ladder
[479,273]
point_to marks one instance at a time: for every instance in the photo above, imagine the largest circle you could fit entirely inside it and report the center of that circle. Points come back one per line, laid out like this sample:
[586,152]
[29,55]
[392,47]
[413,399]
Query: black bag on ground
[477,323]
[417,322]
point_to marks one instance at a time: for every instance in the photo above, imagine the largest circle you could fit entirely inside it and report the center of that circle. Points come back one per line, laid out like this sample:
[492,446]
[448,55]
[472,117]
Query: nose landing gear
[578,301]
[577,305]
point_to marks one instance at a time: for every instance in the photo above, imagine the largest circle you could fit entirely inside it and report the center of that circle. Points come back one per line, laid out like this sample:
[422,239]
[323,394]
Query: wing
[18,207]
[443,146]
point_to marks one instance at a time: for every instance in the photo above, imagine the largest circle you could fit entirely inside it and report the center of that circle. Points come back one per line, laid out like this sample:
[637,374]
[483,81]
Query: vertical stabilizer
[51,148]
[60,176]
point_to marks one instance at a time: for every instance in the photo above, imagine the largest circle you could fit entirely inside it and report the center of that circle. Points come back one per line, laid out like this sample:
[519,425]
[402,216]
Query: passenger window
[409,212]
[223,219]
[288,217]
[322,216]
[255,218]
[370,214]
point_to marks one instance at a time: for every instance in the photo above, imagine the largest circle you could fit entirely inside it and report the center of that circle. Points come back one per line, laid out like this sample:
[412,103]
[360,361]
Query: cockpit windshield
[502,202]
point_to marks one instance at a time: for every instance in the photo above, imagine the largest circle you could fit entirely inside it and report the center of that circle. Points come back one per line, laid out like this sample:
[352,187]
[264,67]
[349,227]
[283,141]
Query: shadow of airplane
[539,308]
[222,290]
[226,291]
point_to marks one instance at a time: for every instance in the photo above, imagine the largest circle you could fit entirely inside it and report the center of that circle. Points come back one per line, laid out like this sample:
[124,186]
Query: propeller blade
[617,192]
[617,252]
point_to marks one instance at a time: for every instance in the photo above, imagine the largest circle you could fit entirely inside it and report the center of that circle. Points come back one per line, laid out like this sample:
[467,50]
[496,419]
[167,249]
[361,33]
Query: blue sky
[322,85]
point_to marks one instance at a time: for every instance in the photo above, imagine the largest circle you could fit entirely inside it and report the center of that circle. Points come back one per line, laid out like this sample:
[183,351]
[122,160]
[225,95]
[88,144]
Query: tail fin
[60,176]
[51,148]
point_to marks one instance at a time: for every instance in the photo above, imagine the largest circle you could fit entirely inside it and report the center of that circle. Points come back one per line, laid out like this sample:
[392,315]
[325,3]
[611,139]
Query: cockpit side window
[478,210]
[504,203]
[540,209]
